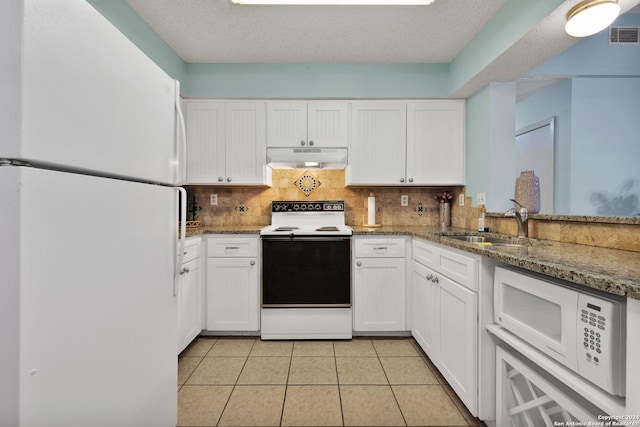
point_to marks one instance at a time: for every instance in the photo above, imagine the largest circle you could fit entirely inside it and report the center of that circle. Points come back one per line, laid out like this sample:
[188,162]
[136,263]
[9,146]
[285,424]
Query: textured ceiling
[217,31]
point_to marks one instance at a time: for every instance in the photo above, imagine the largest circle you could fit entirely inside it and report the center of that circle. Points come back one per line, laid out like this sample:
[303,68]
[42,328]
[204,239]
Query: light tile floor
[361,382]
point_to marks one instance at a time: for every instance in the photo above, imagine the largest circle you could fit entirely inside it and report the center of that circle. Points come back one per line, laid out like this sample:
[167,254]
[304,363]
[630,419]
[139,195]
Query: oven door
[306,271]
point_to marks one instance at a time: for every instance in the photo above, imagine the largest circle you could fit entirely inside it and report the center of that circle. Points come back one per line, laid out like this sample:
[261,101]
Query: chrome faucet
[521,216]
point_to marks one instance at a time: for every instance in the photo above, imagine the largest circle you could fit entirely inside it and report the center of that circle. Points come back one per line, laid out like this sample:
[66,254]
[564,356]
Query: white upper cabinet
[226,143]
[377,151]
[245,147]
[307,124]
[407,143]
[205,141]
[435,142]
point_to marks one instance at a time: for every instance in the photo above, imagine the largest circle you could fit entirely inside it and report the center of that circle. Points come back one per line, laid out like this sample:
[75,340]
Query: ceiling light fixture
[591,16]
[338,2]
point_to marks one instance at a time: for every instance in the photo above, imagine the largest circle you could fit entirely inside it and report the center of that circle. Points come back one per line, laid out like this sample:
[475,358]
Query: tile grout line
[286,384]
[196,367]
[335,362]
[235,383]
[389,384]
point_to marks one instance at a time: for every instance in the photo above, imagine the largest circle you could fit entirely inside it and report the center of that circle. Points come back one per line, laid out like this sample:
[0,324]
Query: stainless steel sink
[490,240]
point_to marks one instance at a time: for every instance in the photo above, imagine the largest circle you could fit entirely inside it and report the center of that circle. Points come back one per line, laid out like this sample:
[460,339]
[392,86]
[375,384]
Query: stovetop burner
[286,228]
[328,228]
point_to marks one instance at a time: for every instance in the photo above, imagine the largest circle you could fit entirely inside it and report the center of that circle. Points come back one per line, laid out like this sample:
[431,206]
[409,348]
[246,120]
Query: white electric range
[306,272]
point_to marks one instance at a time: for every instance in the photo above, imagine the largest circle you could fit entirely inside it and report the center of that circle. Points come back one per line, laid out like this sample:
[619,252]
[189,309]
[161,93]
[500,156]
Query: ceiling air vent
[624,35]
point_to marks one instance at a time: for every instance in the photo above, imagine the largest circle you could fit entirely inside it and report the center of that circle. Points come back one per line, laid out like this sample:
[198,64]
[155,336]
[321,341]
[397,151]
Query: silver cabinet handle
[359,263]
[252,262]
[302,142]
[430,276]
[232,248]
[311,143]
[220,179]
[401,179]
[435,279]
[228,179]
[381,248]
[184,270]
[410,179]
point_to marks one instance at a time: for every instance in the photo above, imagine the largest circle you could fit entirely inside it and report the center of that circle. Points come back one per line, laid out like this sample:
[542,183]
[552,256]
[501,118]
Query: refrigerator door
[91,100]
[93,329]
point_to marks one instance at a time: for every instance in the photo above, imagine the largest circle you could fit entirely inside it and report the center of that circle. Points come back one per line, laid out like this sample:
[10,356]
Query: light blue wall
[316,80]
[605,146]
[597,130]
[594,56]
[554,101]
[478,140]
[489,135]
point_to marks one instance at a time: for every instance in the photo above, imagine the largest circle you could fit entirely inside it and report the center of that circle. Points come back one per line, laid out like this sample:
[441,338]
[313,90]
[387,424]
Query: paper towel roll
[371,210]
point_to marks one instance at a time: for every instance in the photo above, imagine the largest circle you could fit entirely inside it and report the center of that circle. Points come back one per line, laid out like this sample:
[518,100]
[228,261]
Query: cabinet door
[435,142]
[377,150]
[245,147]
[458,356]
[328,124]
[232,294]
[190,303]
[379,294]
[205,142]
[287,124]
[426,310]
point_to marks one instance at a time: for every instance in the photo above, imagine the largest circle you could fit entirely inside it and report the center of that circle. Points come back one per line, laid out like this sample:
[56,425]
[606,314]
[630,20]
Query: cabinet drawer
[191,250]
[233,247]
[425,253]
[379,248]
[456,266]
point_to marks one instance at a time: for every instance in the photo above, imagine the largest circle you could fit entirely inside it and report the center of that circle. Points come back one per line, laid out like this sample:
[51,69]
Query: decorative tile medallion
[419,209]
[307,183]
[241,208]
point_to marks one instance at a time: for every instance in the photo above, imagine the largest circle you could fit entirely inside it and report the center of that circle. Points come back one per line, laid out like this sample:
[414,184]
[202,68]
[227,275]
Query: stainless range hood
[309,158]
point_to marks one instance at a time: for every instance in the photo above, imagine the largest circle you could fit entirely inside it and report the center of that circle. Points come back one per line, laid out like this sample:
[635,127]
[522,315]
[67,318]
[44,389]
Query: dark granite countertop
[611,270]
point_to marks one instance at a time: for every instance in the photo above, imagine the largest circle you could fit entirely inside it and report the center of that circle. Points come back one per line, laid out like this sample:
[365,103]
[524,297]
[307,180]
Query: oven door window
[306,272]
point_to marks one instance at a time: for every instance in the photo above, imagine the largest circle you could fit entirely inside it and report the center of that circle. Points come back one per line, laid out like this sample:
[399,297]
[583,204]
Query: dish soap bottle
[481,220]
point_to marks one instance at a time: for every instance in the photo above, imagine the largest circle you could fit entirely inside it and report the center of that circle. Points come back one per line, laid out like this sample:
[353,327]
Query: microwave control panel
[599,342]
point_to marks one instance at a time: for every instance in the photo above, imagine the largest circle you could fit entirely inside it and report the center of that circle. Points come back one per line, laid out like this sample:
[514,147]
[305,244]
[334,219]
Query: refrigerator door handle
[183,234]
[181,137]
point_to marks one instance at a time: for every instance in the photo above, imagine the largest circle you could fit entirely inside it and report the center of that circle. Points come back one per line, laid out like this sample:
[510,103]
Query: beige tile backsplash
[251,206]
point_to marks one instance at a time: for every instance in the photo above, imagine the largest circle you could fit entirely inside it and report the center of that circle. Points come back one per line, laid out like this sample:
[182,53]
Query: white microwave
[582,329]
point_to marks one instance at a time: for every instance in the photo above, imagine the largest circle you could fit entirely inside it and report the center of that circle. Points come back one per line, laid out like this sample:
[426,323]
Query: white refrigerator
[89,151]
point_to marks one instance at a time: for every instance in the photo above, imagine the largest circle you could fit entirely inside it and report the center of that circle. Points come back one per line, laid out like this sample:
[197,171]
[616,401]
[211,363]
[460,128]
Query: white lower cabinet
[425,309]
[189,294]
[233,294]
[379,276]
[445,316]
